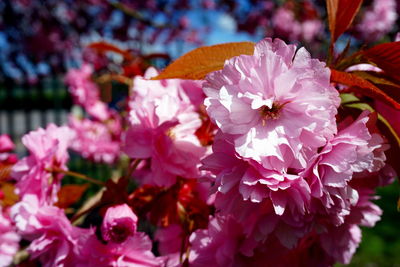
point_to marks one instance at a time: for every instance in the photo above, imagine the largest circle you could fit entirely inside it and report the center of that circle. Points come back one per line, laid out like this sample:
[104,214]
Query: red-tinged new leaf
[386,56]
[103,47]
[70,194]
[196,64]
[341,14]
[8,192]
[5,171]
[362,86]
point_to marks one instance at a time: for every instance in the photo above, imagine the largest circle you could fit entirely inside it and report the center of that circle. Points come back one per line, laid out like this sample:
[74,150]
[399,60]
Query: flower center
[270,113]
[119,233]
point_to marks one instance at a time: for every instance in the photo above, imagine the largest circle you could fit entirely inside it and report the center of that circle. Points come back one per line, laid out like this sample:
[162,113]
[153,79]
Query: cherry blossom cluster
[253,166]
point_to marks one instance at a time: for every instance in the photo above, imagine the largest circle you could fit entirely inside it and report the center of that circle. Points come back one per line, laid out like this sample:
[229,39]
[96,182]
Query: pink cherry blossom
[163,124]
[254,197]
[134,252]
[6,143]
[119,223]
[253,182]
[9,239]
[352,150]
[170,243]
[341,242]
[277,102]
[378,20]
[6,146]
[286,25]
[96,140]
[169,238]
[54,241]
[218,245]
[47,152]
[85,92]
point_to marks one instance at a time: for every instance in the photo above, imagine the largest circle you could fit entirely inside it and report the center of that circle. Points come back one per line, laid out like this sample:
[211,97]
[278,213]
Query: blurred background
[40,40]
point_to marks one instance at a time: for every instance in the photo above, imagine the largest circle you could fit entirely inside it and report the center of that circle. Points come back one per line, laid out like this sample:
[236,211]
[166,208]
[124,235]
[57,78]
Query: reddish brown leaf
[386,56]
[362,86]
[115,192]
[70,194]
[340,15]
[206,132]
[9,197]
[377,78]
[196,64]
[180,204]
[108,78]
[5,171]
[103,47]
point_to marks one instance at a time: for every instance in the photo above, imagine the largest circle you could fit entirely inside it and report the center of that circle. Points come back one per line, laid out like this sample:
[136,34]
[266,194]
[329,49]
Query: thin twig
[133,167]
[77,175]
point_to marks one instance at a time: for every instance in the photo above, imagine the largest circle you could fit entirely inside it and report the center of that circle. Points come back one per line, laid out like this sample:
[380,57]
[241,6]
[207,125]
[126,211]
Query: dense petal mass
[48,152]
[277,97]
[54,241]
[164,120]
[9,239]
[86,93]
[95,140]
[134,252]
[284,174]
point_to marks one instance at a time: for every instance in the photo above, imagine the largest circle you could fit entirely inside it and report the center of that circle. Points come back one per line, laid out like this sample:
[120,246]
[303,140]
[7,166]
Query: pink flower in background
[278,103]
[47,151]
[378,20]
[363,67]
[9,239]
[163,125]
[6,146]
[311,29]
[96,140]
[119,223]
[54,241]
[85,92]
[286,25]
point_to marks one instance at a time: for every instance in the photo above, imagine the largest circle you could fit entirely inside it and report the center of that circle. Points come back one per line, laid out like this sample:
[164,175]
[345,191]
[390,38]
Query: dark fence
[26,106]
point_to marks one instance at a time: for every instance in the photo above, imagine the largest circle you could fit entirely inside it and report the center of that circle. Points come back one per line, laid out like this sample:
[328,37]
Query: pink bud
[119,223]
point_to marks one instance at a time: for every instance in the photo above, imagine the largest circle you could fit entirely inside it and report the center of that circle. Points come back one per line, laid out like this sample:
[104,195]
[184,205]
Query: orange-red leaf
[5,171]
[70,194]
[103,47]
[340,15]
[386,56]
[196,64]
[363,87]
[9,197]
[107,78]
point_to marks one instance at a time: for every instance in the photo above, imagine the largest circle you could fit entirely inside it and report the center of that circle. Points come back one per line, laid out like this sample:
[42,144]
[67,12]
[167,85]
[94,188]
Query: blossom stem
[77,175]
[133,167]
[86,211]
